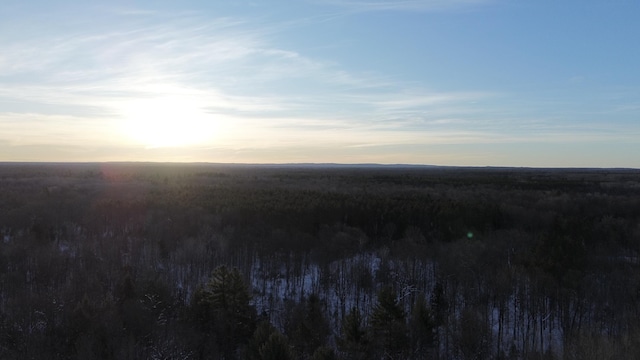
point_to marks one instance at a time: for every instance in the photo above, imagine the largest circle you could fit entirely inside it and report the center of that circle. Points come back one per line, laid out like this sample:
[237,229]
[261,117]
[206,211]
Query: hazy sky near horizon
[446,82]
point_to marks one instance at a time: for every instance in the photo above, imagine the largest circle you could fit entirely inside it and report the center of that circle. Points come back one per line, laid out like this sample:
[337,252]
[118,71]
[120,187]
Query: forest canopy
[205,261]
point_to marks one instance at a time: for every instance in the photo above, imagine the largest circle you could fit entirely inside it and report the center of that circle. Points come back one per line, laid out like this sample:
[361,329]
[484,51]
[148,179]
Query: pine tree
[422,326]
[388,325]
[276,348]
[354,340]
[306,326]
[81,317]
[473,336]
[231,317]
[439,305]
[261,335]
[324,353]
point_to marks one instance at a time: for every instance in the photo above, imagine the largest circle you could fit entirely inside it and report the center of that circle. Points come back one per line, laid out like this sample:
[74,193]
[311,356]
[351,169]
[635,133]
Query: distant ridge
[316,165]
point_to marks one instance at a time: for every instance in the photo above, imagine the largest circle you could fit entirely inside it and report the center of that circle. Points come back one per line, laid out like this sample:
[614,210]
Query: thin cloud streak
[20,129]
[231,71]
[406,5]
[158,60]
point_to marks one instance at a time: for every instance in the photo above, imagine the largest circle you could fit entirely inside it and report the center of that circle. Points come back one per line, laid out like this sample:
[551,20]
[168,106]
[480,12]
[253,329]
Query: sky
[443,82]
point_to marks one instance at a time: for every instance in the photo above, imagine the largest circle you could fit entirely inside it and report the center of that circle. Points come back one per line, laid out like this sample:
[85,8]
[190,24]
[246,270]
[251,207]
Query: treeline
[131,261]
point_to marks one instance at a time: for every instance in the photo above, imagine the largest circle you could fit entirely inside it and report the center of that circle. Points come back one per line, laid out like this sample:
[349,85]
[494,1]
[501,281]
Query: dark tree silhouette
[388,325]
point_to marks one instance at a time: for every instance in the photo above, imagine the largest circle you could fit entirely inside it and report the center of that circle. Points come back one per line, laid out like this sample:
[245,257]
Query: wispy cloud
[404,5]
[24,129]
[80,85]
[224,66]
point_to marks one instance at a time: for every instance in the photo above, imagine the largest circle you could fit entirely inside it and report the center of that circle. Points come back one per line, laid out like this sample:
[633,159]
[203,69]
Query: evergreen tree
[276,348]
[307,326]
[388,325]
[324,353]
[81,317]
[422,326]
[473,336]
[439,307]
[354,340]
[228,314]
[261,335]
[136,321]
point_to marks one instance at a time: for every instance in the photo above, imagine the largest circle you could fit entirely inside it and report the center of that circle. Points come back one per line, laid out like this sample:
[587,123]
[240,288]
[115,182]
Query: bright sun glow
[167,122]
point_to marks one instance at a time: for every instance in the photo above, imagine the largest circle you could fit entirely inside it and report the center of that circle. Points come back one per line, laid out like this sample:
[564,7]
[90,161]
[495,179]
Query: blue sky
[447,82]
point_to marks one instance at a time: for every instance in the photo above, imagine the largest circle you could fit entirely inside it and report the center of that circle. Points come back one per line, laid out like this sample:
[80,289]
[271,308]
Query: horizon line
[313,164]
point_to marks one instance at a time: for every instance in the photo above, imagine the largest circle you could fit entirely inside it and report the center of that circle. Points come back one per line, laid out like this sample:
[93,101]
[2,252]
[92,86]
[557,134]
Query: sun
[170,121]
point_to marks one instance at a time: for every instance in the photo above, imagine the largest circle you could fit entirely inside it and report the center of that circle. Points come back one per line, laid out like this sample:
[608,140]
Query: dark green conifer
[388,325]
[276,348]
[354,341]
[228,313]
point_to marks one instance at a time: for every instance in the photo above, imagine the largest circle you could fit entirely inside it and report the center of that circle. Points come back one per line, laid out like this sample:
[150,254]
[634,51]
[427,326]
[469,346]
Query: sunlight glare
[167,122]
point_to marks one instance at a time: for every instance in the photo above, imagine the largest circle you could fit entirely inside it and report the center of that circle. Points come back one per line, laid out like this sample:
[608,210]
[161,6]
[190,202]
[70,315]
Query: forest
[220,261]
